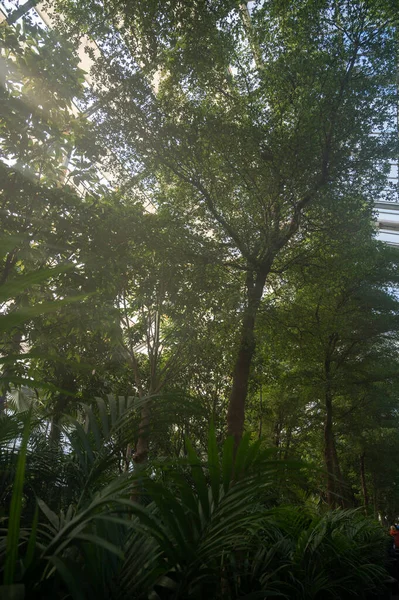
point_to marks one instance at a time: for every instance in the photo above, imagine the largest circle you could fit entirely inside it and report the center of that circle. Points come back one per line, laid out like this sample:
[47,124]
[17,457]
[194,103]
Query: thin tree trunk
[329,456]
[375,497]
[363,482]
[329,440]
[67,381]
[241,371]
[185,438]
[14,348]
[339,480]
[127,458]
[10,261]
[143,440]
[261,412]
[246,19]
[288,442]
[140,456]
[55,430]
[277,434]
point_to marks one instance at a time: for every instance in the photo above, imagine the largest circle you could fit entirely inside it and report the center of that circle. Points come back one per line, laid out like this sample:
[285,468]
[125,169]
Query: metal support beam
[21,11]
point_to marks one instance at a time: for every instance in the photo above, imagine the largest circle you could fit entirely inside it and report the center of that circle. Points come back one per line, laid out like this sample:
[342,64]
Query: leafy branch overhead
[198,323]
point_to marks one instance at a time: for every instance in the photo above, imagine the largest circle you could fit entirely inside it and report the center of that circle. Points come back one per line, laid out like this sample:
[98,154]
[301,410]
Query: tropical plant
[205,527]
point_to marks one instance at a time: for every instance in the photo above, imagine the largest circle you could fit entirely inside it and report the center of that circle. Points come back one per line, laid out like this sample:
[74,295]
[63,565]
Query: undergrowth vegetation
[214,524]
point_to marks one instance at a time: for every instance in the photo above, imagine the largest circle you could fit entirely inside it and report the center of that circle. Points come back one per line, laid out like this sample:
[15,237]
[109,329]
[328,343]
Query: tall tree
[334,329]
[245,120]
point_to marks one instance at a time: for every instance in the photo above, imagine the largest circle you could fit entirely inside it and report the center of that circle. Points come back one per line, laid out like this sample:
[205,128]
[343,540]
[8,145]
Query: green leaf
[20,284]
[13,319]
[70,575]
[12,592]
[198,478]
[174,516]
[213,464]
[52,517]
[30,551]
[241,456]
[228,462]
[95,430]
[99,541]
[113,409]
[16,508]
[102,409]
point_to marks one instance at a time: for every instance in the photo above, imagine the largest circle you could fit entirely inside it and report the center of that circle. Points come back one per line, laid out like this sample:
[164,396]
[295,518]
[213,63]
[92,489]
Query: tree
[48,152]
[333,327]
[43,135]
[245,121]
[140,269]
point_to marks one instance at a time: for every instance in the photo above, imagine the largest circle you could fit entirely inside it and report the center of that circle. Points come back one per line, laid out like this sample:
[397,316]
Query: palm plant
[338,555]
[205,528]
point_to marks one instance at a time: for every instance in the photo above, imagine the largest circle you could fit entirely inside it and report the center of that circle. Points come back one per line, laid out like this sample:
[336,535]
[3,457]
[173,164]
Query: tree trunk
[288,442]
[3,398]
[261,412]
[14,348]
[55,430]
[127,458]
[335,486]
[375,497]
[68,384]
[329,454]
[277,434]
[340,486]
[143,440]
[363,482]
[10,261]
[246,349]
[140,456]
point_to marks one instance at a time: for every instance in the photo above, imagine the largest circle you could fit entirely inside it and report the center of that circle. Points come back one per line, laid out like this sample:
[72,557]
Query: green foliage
[337,555]
[244,174]
[42,83]
[248,128]
[207,527]
[328,348]
[15,511]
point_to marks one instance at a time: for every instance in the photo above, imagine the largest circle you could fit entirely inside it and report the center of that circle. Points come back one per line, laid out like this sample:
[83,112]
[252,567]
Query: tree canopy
[199,325]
